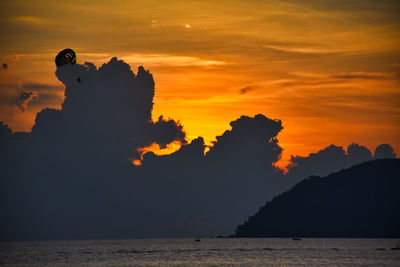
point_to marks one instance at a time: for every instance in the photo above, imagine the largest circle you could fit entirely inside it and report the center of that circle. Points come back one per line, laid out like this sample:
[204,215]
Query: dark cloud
[41,87]
[5,132]
[316,79]
[72,175]
[170,129]
[249,138]
[115,105]
[76,160]
[45,99]
[23,99]
[322,163]
[362,75]
[384,151]
[334,158]
[246,89]
[229,182]
[44,94]
[357,154]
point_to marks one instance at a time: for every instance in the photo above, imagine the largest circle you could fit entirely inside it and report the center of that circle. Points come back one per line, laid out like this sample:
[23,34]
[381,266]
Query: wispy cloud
[155,23]
[308,74]
[311,78]
[23,99]
[246,89]
[304,50]
[30,20]
[363,75]
[148,60]
[169,60]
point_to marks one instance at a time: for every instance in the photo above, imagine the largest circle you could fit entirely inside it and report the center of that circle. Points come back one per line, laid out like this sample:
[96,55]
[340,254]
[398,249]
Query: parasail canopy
[66,56]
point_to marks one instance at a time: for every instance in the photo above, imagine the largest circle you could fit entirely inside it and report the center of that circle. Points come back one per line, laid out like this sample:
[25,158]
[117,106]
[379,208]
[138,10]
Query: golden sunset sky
[330,70]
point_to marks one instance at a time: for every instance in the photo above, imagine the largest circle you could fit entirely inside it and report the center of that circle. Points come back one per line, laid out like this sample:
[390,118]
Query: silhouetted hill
[361,201]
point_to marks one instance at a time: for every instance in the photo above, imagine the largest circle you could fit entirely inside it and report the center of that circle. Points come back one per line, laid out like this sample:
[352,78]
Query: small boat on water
[296,239]
[396,248]
[197,240]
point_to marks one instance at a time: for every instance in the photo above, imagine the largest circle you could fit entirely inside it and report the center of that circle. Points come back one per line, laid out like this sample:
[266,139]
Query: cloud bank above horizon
[72,176]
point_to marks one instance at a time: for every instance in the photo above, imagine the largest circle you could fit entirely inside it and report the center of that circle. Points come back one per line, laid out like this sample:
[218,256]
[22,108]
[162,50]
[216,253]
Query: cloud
[357,154]
[307,74]
[311,78]
[334,158]
[245,139]
[30,20]
[163,131]
[5,132]
[384,151]
[113,96]
[46,94]
[192,152]
[245,89]
[155,23]
[42,87]
[72,175]
[23,99]
[362,75]
[230,181]
[304,50]
[170,60]
[46,99]
[164,60]
[88,143]
[339,79]
[322,163]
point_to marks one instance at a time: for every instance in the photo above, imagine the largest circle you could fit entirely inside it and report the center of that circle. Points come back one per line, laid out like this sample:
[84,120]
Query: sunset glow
[329,72]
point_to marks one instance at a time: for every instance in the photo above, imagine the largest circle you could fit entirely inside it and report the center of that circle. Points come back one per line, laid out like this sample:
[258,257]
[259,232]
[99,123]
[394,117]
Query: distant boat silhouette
[296,239]
[197,240]
[396,248]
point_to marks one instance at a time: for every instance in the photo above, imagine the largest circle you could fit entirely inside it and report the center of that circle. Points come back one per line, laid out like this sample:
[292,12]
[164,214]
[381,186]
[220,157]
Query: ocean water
[206,252]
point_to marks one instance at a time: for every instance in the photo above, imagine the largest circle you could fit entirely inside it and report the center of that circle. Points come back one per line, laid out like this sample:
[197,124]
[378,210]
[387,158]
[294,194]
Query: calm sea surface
[206,252]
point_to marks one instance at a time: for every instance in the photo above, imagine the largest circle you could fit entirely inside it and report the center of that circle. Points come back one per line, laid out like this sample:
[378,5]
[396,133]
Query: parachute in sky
[67,56]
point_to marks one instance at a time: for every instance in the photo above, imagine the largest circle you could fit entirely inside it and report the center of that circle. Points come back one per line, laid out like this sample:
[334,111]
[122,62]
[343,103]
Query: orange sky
[328,69]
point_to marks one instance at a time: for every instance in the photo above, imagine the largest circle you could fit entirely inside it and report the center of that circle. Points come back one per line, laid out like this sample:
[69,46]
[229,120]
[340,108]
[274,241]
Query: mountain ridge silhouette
[360,201]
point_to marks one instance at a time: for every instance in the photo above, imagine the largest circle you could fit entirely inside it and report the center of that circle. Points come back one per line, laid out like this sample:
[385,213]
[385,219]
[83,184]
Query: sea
[203,252]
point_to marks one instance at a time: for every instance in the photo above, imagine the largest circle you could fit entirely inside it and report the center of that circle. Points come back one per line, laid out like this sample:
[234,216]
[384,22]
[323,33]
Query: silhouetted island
[361,201]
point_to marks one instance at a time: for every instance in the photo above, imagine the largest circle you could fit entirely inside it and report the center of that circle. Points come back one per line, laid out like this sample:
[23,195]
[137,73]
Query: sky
[329,70]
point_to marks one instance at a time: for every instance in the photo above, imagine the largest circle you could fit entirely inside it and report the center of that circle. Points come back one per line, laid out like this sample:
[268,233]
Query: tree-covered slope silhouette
[361,201]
